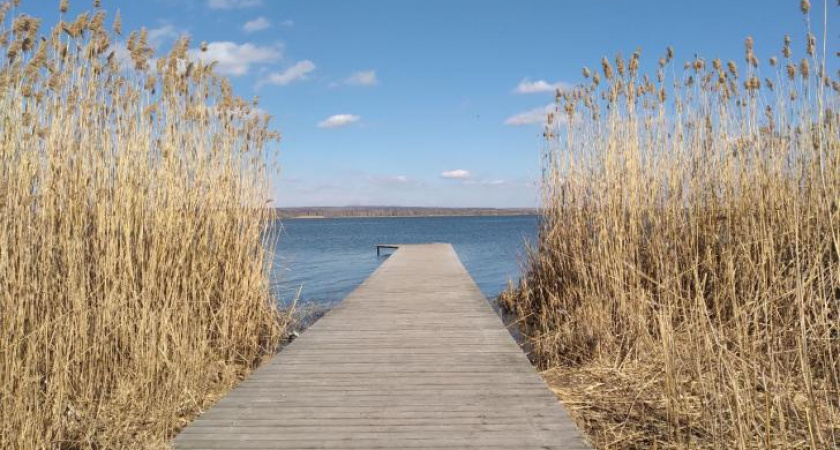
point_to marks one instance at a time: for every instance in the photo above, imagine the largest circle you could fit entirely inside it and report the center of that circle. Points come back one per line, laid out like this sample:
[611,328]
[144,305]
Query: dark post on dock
[380,247]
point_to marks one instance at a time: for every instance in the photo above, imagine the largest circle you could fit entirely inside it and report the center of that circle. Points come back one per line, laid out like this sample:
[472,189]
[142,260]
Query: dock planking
[414,358]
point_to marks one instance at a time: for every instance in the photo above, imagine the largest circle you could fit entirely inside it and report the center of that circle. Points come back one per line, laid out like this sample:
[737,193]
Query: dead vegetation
[685,289]
[133,260]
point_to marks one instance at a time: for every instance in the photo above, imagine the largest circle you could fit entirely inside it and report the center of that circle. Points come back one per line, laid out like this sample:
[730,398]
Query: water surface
[327,258]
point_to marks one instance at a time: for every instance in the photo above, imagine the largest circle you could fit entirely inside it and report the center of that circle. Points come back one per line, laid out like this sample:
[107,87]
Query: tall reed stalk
[689,250]
[133,263]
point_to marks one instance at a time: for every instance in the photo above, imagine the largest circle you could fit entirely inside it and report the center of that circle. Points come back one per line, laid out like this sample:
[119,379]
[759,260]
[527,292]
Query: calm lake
[327,258]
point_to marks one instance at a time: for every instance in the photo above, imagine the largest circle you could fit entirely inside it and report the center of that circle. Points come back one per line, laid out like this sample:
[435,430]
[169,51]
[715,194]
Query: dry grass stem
[133,258]
[688,268]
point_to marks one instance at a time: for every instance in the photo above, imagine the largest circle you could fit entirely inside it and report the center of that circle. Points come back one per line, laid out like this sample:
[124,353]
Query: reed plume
[685,289]
[133,253]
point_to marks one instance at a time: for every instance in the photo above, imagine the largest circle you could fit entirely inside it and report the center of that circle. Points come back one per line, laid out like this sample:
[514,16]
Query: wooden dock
[413,358]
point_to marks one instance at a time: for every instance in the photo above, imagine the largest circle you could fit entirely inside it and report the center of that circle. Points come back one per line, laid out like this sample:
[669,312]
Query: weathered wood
[415,357]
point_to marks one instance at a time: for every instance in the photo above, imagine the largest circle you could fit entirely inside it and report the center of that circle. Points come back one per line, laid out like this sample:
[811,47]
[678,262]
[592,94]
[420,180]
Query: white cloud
[233,4]
[235,59]
[292,74]
[363,78]
[258,24]
[287,23]
[536,116]
[457,174]
[527,86]
[338,120]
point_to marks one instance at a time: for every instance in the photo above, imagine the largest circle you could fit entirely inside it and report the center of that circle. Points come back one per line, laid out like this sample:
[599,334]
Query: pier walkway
[414,358]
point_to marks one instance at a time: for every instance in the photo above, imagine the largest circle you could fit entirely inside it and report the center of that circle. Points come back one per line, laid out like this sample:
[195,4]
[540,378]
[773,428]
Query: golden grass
[689,255]
[133,259]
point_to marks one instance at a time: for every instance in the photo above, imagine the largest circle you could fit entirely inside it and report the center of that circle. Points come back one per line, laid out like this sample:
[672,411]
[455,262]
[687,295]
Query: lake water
[327,258]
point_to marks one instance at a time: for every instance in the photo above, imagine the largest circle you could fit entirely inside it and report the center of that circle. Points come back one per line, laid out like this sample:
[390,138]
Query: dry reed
[133,258]
[685,289]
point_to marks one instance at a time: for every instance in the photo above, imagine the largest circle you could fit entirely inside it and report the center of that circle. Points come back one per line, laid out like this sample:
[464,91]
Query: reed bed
[133,254]
[685,289]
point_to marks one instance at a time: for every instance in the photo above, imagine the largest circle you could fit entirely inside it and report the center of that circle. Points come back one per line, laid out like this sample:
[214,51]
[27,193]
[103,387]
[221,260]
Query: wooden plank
[415,357]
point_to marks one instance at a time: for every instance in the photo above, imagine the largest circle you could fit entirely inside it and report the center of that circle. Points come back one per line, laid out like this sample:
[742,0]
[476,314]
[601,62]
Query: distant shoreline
[397,212]
[405,217]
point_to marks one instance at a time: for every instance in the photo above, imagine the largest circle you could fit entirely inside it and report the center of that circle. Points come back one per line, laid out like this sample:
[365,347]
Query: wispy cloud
[392,180]
[536,116]
[297,72]
[164,33]
[339,120]
[457,174]
[235,59]
[527,86]
[258,24]
[288,23]
[233,4]
[362,78]
[398,179]
[395,188]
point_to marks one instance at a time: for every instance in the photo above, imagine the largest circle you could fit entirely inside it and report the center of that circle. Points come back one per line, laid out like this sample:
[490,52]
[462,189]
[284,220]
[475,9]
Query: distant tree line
[397,211]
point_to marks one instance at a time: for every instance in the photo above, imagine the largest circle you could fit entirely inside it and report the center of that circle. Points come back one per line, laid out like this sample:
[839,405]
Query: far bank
[337,212]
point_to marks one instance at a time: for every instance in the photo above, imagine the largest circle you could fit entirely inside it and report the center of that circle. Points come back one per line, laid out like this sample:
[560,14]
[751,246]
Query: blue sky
[432,102]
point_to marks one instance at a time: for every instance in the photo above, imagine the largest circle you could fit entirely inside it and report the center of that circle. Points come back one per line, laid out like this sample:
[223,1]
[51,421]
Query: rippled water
[328,258]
